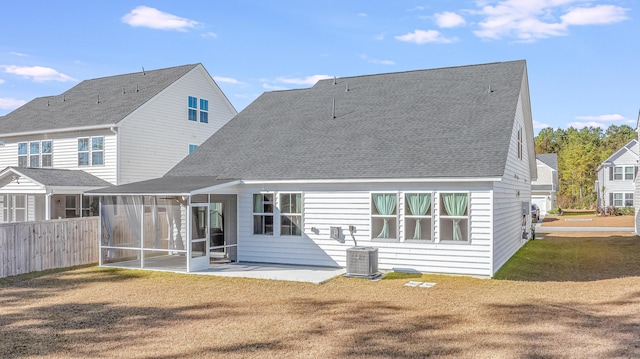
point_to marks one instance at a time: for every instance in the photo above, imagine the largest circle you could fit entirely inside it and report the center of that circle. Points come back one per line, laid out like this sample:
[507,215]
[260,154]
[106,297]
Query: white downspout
[117,134]
[47,205]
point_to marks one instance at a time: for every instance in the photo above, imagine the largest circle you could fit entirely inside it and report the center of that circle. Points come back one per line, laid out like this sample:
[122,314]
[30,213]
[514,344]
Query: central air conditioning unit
[362,261]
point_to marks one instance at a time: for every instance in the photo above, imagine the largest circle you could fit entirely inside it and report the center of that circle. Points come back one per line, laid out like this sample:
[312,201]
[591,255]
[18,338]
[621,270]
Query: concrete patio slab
[297,273]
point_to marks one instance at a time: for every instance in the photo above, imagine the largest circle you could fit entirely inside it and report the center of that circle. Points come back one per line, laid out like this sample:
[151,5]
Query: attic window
[204,111]
[193,108]
[519,142]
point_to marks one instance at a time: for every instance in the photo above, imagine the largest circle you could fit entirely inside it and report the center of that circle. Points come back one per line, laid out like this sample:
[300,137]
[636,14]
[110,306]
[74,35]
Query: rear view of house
[430,168]
[105,131]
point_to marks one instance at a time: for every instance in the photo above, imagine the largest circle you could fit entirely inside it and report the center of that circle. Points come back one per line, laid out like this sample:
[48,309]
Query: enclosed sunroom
[181,224]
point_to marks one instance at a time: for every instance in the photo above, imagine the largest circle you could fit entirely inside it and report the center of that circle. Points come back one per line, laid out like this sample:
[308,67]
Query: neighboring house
[432,168]
[104,131]
[545,188]
[616,177]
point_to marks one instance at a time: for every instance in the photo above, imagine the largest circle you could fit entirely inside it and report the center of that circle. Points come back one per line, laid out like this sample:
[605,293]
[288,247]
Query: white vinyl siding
[156,136]
[510,195]
[326,206]
[65,151]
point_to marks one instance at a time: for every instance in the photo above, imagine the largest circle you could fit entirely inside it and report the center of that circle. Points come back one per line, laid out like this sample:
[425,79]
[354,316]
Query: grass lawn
[560,297]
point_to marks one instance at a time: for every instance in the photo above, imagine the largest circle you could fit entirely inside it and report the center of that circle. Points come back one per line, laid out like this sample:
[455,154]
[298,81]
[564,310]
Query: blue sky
[582,56]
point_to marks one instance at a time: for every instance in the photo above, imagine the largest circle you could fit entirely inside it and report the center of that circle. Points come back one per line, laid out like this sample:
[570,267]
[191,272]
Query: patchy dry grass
[109,313]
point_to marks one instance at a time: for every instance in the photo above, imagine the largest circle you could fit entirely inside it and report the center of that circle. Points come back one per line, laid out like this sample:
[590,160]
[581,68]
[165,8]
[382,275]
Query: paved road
[547,229]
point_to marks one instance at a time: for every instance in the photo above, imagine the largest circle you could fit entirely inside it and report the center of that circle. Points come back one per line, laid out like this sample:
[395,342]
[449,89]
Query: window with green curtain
[419,205]
[455,209]
[263,213]
[383,216]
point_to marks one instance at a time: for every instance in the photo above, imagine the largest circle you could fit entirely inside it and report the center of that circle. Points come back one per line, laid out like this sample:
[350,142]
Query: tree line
[580,151]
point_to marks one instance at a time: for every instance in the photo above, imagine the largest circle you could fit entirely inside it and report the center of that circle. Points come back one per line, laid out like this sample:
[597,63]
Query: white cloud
[530,20]
[212,35]
[600,121]
[2,81]
[362,14]
[377,61]
[429,36]
[603,118]
[449,19]
[227,80]
[19,54]
[10,103]
[37,73]
[597,15]
[309,80]
[539,125]
[266,86]
[379,36]
[144,16]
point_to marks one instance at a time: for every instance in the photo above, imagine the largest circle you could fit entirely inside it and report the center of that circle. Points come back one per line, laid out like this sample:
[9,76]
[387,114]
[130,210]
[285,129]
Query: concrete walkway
[308,274]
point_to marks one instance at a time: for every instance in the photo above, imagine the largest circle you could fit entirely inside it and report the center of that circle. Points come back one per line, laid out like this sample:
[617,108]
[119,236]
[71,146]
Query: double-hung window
[384,216]
[291,214]
[617,199]
[263,213]
[617,173]
[91,151]
[35,154]
[47,153]
[628,173]
[628,199]
[204,111]
[193,108]
[23,154]
[417,219]
[454,217]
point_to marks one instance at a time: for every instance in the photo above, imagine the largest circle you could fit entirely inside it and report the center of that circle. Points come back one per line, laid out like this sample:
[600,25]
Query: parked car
[535,213]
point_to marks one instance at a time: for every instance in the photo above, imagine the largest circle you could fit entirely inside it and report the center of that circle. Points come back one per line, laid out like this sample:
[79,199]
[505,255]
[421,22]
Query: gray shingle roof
[59,177]
[101,101]
[164,185]
[448,122]
[549,159]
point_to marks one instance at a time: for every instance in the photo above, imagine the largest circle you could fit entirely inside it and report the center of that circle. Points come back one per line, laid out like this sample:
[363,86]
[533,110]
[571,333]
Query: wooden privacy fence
[35,246]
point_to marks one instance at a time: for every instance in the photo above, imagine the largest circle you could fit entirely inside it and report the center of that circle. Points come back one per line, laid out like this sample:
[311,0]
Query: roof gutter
[68,129]
[381,180]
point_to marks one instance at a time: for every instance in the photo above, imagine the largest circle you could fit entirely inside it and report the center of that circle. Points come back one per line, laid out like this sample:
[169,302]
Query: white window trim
[405,216]
[272,214]
[90,152]
[372,236]
[40,154]
[467,217]
[278,214]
